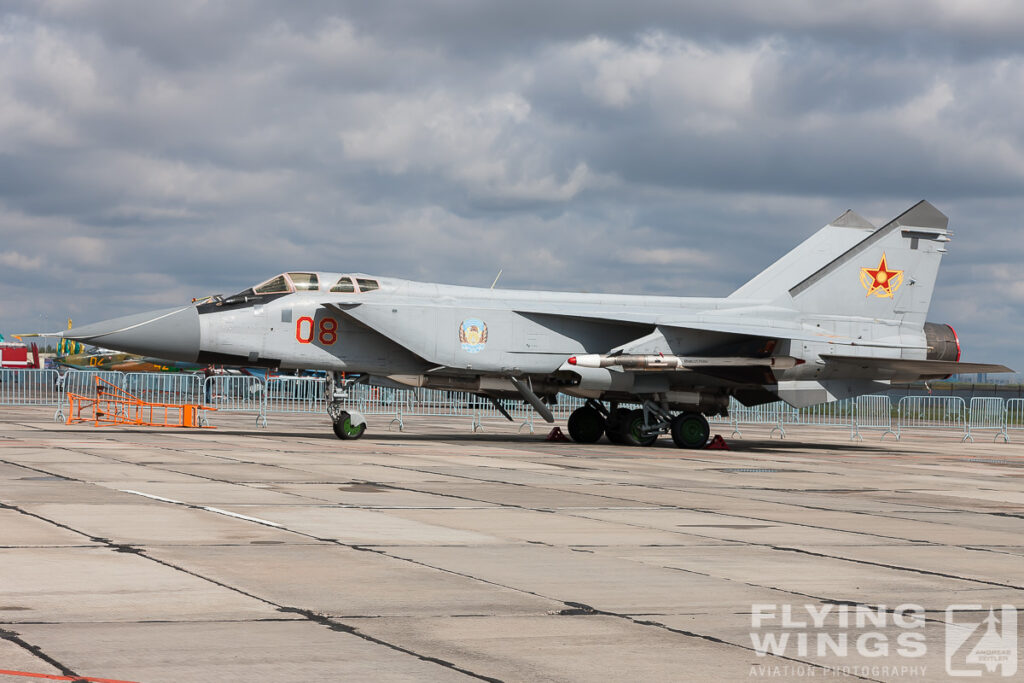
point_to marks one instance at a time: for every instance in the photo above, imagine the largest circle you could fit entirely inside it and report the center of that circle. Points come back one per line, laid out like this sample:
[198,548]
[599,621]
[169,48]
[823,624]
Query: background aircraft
[842,314]
[104,359]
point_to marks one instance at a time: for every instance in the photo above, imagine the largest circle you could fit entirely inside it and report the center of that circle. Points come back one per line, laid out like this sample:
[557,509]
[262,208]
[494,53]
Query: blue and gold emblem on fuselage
[473,335]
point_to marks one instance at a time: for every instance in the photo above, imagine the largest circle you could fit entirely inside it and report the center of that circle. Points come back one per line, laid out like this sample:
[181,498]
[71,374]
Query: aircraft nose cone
[170,334]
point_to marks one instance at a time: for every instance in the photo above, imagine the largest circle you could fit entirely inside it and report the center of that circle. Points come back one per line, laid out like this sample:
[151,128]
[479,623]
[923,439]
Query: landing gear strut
[636,432]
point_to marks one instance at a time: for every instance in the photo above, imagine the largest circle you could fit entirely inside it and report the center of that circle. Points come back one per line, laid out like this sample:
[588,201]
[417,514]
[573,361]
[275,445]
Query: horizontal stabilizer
[903,368]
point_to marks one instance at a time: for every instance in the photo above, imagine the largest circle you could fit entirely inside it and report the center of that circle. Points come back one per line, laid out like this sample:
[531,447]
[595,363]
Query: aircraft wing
[407,330]
[735,323]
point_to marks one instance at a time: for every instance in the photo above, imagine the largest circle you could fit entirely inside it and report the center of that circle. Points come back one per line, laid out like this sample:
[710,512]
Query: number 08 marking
[328,333]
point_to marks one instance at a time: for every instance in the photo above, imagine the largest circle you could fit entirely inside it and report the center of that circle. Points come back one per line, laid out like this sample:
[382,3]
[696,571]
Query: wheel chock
[718,444]
[556,435]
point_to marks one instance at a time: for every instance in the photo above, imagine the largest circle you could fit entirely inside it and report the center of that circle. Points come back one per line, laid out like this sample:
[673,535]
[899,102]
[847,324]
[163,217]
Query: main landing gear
[639,427]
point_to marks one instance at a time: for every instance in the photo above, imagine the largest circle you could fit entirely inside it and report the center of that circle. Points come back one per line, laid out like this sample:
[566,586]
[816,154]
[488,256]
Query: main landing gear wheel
[344,429]
[615,425]
[690,430]
[586,425]
[632,430]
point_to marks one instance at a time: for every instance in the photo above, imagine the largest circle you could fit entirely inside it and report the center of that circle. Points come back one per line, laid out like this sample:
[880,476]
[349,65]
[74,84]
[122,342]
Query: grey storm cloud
[152,152]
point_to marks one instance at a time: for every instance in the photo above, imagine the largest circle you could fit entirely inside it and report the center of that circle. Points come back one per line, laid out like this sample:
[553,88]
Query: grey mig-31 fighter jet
[840,315]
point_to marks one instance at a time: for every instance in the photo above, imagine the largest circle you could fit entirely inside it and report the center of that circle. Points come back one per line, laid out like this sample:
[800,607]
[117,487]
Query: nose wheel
[346,424]
[344,429]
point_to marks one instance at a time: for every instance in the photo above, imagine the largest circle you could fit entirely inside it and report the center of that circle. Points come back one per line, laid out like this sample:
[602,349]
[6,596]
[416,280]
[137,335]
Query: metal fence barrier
[872,412]
[83,383]
[400,403]
[777,414]
[236,394]
[1013,417]
[382,401]
[437,403]
[947,413]
[283,394]
[30,388]
[296,395]
[165,387]
[518,410]
[987,414]
[834,414]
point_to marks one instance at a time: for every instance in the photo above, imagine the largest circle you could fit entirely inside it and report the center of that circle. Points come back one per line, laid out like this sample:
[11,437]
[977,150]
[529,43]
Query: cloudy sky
[152,152]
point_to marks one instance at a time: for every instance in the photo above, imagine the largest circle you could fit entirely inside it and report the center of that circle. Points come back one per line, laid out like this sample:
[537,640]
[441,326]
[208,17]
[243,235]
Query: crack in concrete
[323,620]
[926,572]
[36,651]
[572,608]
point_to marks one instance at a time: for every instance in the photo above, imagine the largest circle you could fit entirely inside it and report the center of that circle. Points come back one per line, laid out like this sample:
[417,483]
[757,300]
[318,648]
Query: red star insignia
[881,281]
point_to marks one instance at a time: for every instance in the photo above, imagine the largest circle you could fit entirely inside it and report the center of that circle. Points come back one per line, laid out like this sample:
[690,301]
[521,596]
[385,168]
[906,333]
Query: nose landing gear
[346,428]
[347,424]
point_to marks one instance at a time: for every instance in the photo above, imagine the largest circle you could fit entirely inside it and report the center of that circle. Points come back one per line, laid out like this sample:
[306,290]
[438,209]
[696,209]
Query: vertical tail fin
[821,247]
[890,275]
[67,347]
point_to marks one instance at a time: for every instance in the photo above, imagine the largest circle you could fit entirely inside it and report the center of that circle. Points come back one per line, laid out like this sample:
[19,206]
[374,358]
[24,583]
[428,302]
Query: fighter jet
[842,314]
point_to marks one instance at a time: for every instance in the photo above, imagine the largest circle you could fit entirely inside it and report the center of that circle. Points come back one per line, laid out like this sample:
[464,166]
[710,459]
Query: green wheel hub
[690,430]
[633,432]
[344,429]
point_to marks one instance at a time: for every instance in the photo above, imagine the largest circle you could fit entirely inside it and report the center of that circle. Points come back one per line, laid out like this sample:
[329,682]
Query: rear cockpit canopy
[348,283]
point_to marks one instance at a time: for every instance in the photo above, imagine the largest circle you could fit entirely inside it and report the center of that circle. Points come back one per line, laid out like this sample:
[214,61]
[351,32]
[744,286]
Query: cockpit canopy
[286,283]
[345,284]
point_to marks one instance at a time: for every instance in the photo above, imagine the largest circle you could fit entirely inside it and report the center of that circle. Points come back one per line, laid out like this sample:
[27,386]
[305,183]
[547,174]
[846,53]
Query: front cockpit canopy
[287,283]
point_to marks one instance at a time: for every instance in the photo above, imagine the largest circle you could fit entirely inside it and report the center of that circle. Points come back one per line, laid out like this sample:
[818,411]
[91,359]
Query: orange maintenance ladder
[115,406]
